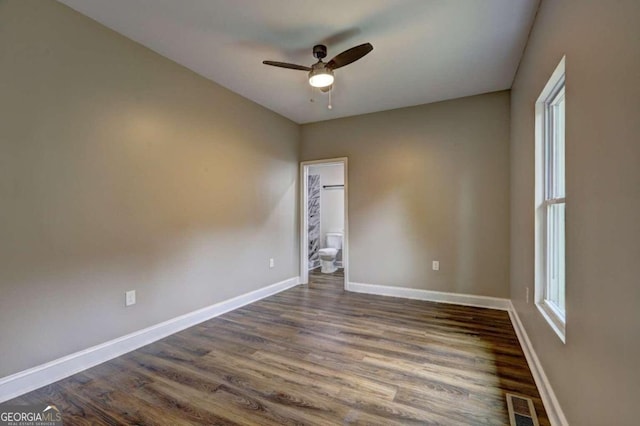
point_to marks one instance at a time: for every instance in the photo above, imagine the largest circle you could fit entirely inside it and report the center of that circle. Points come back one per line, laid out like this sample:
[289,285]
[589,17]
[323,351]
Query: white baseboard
[432,296]
[551,404]
[25,381]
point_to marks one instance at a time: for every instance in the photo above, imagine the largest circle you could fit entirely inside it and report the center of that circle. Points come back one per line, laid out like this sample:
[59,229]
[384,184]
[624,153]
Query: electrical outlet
[272,263]
[436,265]
[130,298]
[527,294]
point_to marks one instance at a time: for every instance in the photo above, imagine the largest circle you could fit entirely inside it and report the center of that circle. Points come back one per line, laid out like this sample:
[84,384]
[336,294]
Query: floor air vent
[521,411]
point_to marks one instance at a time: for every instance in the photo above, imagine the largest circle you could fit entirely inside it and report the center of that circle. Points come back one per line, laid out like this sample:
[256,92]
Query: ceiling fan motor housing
[320,51]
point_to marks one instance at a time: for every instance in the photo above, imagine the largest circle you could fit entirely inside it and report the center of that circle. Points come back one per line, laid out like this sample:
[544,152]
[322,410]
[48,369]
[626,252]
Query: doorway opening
[324,229]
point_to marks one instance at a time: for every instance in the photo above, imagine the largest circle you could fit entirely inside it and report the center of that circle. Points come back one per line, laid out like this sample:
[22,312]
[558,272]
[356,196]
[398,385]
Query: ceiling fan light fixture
[321,77]
[321,73]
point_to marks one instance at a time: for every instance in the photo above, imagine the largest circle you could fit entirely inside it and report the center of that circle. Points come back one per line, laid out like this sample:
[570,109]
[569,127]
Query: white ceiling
[424,50]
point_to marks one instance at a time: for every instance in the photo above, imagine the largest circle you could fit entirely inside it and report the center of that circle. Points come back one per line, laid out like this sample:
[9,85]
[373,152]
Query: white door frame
[304,222]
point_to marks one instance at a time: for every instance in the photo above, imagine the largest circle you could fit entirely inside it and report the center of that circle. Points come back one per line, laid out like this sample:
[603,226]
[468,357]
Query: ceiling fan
[321,73]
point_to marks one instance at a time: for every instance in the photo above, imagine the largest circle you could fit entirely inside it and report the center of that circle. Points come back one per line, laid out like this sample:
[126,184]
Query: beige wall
[121,170]
[427,182]
[595,374]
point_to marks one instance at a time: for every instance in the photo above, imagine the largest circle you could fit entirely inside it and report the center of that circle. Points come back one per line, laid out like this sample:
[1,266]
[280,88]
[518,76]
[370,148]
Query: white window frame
[545,198]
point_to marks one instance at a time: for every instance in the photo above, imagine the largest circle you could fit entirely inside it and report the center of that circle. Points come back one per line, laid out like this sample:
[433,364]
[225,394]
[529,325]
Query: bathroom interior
[326,218]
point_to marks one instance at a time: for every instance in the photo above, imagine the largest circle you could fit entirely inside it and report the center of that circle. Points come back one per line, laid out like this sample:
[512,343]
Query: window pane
[557,146]
[549,153]
[555,262]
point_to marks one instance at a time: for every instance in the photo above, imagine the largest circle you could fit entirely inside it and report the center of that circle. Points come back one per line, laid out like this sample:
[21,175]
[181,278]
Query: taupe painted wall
[595,375]
[427,182]
[121,170]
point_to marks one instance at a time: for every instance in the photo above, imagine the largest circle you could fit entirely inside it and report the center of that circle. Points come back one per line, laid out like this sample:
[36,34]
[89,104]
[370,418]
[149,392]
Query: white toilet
[328,254]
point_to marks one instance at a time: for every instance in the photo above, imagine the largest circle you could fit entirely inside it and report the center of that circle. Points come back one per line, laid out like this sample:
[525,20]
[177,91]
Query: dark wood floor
[312,355]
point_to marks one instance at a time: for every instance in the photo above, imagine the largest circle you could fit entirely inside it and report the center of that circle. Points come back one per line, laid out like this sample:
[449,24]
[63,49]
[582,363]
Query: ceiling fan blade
[287,65]
[349,56]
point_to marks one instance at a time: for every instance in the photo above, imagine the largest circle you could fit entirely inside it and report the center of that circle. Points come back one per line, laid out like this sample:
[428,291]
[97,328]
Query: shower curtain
[313,209]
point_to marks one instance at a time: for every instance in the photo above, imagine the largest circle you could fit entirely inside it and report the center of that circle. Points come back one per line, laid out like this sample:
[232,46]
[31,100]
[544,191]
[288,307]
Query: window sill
[557,324]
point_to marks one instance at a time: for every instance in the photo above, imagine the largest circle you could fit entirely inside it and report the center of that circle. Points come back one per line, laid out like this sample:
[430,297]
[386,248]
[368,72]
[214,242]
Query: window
[550,202]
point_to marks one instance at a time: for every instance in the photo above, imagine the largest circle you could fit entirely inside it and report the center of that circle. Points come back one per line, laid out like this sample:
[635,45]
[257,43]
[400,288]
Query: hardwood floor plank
[316,355]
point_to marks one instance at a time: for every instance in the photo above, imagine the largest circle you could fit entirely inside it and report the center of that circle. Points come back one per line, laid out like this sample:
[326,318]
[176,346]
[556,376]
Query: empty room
[279,212]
